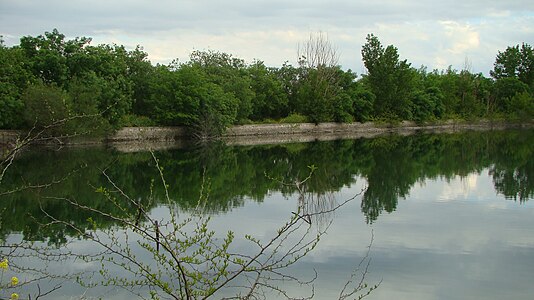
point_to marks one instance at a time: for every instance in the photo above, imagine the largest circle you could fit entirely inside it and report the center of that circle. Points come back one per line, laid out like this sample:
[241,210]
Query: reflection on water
[464,213]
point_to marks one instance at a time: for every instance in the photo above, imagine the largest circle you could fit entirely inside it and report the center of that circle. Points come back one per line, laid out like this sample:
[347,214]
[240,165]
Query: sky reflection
[449,239]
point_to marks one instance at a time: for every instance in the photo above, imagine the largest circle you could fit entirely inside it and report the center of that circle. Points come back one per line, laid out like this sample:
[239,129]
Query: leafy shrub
[244,122]
[132,120]
[44,105]
[522,106]
[294,118]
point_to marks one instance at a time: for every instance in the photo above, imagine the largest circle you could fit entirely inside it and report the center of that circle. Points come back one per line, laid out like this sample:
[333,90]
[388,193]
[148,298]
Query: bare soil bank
[132,138]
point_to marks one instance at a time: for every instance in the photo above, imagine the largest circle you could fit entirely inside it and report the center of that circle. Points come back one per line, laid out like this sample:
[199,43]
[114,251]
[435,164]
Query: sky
[431,33]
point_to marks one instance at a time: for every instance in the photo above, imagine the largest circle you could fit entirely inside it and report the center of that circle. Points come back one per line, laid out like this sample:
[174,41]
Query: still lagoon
[437,216]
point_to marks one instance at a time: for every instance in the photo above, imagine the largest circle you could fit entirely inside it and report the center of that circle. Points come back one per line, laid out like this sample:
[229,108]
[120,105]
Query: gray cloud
[436,34]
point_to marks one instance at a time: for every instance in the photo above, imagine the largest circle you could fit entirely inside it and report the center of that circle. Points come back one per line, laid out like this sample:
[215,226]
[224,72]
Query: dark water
[451,215]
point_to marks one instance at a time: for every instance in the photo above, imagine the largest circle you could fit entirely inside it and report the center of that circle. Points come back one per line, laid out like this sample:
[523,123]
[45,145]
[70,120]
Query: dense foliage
[48,77]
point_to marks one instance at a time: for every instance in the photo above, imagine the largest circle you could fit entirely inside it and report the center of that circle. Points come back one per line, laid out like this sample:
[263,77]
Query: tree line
[48,78]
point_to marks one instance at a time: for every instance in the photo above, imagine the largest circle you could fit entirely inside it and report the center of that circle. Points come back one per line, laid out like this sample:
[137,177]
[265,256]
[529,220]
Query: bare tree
[40,256]
[319,73]
[38,134]
[317,52]
[187,259]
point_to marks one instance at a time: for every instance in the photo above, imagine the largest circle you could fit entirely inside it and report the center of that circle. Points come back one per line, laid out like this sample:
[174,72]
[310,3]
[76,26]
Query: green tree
[44,105]
[289,77]
[346,95]
[84,94]
[472,92]
[184,94]
[164,103]
[210,108]
[14,78]
[110,65]
[463,94]
[270,100]
[10,106]
[429,90]
[522,106]
[313,99]
[363,104]
[55,60]
[516,62]
[391,80]
[318,94]
[50,54]
[447,81]
[505,88]
[139,71]
[427,104]
[230,74]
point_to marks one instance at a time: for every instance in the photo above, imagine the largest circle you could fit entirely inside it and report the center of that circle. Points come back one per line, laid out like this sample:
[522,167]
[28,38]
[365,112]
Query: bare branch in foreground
[186,259]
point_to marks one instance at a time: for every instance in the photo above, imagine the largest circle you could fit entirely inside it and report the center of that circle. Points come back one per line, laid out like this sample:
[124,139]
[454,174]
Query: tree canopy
[113,86]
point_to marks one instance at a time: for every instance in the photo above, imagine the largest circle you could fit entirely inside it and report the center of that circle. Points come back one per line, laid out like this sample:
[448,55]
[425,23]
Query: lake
[432,216]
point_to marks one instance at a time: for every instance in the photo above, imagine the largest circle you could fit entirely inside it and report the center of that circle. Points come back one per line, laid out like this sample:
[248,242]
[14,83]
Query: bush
[84,95]
[522,106]
[295,118]
[11,106]
[131,120]
[387,119]
[244,122]
[60,113]
[45,105]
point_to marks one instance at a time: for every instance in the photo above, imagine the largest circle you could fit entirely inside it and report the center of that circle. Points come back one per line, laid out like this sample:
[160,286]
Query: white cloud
[461,37]
[436,34]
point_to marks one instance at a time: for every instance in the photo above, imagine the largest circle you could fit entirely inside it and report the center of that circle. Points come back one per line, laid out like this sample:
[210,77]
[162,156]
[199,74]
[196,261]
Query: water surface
[450,216]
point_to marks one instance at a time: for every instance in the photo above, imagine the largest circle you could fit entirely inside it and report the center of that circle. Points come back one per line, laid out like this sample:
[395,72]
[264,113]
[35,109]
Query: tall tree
[505,89]
[516,61]
[14,79]
[230,73]
[270,99]
[389,78]
[208,108]
[319,77]
[139,70]
[50,54]
[44,105]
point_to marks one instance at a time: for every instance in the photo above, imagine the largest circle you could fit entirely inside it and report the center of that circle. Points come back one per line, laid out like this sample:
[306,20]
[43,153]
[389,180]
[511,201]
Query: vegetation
[55,87]
[49,77]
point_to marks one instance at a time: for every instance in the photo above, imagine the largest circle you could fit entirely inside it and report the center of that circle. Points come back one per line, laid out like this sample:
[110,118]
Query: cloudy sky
[426,32]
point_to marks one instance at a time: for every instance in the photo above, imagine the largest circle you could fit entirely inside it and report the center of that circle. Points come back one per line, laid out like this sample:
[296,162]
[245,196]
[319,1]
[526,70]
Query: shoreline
[310,130]
[258,134]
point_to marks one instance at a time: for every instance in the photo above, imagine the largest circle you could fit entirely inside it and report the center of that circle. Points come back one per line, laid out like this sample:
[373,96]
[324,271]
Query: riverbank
[307,132]
[257,134]
[277,133]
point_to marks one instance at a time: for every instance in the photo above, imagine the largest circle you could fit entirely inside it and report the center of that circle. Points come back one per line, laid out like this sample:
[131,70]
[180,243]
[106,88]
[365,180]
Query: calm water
[451,215]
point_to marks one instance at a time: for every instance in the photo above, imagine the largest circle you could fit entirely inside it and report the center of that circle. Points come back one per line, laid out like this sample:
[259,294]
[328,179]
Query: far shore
[138,138]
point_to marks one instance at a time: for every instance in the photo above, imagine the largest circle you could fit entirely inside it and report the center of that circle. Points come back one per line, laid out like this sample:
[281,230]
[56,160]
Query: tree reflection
[513,169]
[397,163]
[391,165]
